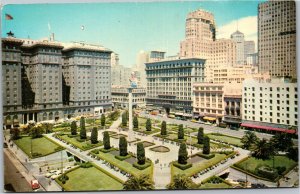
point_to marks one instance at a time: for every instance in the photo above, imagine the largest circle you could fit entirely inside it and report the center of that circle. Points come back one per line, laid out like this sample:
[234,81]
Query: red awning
[268,128]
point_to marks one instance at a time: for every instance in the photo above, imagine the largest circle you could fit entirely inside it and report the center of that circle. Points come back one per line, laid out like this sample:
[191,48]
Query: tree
[143,182]
[180,132]
[180,181]
[293,154]
[200,135]
[141,154]
[282,141]
[15,133]
[206,145]
[182,154]
[123,146]
[94,136]
[37,131]
[148,125]
[261,149]
[102,120]
[73,128]
[106,140]
[135,122]
[82,128]
[124,119]
[163,128]
[249,139]
[48,127]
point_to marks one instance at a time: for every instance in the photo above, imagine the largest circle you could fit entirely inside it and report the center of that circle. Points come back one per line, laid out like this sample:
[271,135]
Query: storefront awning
[187,115]
[268,128]
[209,118]
[179,113]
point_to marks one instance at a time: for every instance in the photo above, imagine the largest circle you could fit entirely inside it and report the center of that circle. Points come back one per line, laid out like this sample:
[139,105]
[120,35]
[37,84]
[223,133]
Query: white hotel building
[270,104]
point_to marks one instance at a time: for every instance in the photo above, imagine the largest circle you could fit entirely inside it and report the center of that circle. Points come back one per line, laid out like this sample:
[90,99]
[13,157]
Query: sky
[127,28]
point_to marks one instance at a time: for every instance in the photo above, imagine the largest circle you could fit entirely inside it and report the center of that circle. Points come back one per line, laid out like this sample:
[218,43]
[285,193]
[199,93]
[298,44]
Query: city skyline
[169,26]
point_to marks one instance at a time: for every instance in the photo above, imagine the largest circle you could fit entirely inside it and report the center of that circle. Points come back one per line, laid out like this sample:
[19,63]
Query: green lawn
[90,179]
[42,146]
[251,163]
[231,140]
[85,145]
[197,167]
[214,186]
[124,165]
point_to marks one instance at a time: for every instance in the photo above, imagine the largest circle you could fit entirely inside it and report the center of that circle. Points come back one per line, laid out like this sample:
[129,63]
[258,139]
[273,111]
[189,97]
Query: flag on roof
[8,17]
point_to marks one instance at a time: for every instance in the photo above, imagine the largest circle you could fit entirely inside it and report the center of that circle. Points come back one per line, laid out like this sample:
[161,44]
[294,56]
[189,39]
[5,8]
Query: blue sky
[125,28]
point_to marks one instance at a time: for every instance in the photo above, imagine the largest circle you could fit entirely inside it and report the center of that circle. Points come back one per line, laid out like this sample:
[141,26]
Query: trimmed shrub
[73,128]
[267,172]
[148,125]
[94,136]
[141,154]
[86,165]
[123,157]
[206,145]
[82,128]
[135,122]
[206,156]
[182,154]
[106,140]
[123,146]
[182,166]
[102,120]
[141,167]
[180,132]
[163,130]
[200,136]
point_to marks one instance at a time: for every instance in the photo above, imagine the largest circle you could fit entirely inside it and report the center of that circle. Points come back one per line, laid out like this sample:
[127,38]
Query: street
[14,176]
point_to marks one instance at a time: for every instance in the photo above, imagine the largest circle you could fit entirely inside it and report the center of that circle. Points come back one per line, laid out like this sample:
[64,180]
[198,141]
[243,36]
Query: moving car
[35,184]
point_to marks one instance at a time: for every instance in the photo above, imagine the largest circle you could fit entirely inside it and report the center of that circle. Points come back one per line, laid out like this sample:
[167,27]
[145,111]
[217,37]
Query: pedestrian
[50,182]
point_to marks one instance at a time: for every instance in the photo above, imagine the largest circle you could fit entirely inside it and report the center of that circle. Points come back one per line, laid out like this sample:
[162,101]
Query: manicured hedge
[141,167]
[123,157]
[182,166]
[106,151]
[206,156]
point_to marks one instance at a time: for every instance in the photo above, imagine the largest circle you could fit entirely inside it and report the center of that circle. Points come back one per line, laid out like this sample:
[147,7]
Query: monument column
[130,131]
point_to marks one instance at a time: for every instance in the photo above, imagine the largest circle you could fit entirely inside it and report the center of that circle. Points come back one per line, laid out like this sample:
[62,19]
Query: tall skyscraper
[200,31]
[239,38]
[277,38]
[200,42]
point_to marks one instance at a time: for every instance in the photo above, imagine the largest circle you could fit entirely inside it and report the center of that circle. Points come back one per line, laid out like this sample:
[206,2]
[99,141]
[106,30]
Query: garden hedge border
[182,166]
[141,167]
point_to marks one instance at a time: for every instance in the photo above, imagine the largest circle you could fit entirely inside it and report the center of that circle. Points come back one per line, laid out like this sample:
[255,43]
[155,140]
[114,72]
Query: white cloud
[246,25]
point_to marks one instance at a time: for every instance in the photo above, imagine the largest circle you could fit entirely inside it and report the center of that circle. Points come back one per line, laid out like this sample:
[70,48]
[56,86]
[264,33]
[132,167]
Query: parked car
[50,173]
[35,184]
[55,175]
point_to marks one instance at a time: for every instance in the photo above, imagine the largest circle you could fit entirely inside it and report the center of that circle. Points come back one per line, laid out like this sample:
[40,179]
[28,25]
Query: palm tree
[262,149]
[282,141]
[142,182]
[181,181]
[293,154]
[249,139]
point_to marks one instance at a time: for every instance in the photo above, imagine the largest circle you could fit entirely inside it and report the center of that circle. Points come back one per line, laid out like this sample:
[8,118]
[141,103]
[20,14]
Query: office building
[277,38]
[169,84]
[200,42]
